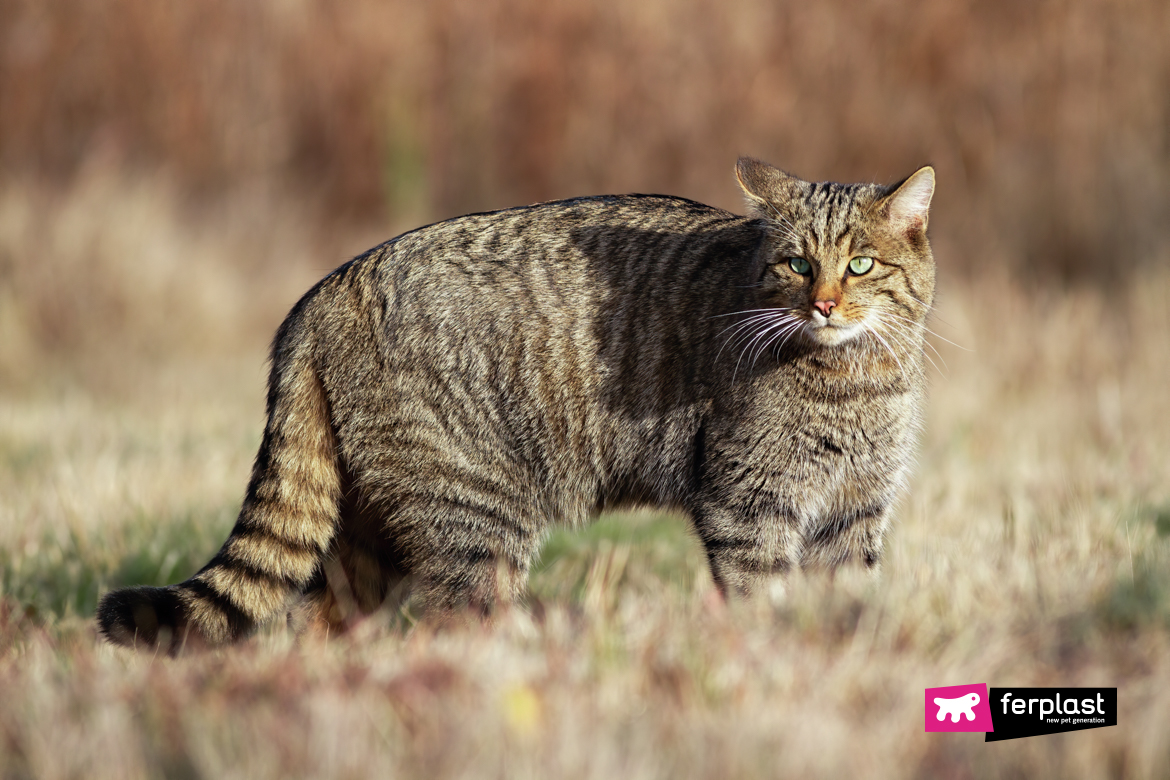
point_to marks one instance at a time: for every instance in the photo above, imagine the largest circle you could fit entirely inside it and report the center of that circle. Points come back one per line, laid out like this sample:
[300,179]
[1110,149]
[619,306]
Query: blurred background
[173,175]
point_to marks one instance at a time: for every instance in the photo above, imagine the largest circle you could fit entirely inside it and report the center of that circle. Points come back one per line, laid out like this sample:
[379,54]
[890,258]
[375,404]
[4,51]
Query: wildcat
[435,404]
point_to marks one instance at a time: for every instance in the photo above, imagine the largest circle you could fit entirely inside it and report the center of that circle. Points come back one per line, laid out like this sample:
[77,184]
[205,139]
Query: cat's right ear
[908,206]
[764,185]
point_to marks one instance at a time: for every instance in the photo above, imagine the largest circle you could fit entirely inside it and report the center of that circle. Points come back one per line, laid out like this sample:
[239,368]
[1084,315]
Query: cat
[437,403]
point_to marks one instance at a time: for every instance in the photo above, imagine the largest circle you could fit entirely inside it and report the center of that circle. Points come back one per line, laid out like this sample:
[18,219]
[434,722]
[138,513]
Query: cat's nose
[824,307]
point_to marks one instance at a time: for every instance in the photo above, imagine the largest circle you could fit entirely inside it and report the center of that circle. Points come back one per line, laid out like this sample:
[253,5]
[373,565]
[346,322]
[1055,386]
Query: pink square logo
[958,708]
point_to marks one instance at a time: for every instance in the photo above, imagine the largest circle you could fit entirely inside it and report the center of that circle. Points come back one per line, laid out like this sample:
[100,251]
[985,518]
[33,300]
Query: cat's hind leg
[467,556]
[364,573]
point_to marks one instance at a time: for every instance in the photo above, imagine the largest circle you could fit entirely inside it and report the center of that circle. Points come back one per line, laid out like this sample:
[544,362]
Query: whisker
[764,330]
[937,354]
[759,334]
[925,343]
[747,311]
[930,309]
[924,303]
[786,235]
[936,368]
[739,329]
[889,349]
[747,337]
[905,340]
[749,320]
[789,327]
[799,327]
[745,330]
[762,344]
[787,226]
[928,330]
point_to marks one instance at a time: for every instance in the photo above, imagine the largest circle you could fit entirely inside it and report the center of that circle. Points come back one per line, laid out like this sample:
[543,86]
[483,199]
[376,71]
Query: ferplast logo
[1011,713]
[1030,712]
[1085,710]
[958,708]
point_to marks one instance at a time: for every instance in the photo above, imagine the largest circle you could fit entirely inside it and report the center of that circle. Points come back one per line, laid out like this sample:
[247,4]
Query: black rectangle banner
[1029,712]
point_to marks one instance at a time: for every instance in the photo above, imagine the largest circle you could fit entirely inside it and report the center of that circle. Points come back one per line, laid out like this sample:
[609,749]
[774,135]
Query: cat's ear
[764,185]
[908,207]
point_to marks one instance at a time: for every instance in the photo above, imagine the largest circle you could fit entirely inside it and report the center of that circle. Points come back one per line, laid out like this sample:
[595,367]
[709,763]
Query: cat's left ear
[764,185]
[908,206]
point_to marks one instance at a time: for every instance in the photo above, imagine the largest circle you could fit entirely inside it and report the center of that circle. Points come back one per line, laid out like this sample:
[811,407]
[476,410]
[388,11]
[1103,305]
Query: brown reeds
[1047,120]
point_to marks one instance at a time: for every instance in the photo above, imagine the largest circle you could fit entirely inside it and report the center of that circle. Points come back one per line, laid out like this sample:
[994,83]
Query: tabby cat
[436,404]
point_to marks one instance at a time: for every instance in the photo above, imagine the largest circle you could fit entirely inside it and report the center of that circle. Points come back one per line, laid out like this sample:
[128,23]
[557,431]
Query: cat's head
[843,260]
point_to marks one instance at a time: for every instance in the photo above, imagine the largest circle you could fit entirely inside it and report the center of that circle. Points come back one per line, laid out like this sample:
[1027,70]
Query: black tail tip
[143,617]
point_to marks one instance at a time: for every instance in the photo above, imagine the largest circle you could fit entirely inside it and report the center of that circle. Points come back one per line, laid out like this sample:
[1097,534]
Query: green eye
[860,265]
[799,264]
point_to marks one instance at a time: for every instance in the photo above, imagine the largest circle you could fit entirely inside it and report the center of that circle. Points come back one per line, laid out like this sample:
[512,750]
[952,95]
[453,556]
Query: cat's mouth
[831,331]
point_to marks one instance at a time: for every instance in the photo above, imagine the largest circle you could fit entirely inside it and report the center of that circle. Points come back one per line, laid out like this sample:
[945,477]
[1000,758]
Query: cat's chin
[827,335]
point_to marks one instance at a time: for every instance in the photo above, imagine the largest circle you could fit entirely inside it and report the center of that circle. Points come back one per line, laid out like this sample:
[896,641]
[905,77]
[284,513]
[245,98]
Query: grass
[54,577]
[640,552]
[1033,549]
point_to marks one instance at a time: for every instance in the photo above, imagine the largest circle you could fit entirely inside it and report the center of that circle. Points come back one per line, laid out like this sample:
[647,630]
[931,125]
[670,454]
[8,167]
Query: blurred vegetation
[1140,597]
[1048,121]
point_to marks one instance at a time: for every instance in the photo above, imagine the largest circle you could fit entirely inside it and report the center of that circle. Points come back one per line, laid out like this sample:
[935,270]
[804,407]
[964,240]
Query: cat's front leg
[847,536]
[750,552]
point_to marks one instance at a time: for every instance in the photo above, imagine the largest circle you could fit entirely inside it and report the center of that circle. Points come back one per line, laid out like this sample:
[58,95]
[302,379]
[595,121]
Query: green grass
[641,552]
[57,578]
[1140,597]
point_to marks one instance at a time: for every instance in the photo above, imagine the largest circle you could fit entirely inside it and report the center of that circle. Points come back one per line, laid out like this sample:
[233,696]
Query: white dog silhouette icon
[953,707]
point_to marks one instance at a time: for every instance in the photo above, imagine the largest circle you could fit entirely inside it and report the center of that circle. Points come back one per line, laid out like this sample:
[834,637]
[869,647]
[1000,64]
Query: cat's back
[599,235]
[563,339]
[597,273]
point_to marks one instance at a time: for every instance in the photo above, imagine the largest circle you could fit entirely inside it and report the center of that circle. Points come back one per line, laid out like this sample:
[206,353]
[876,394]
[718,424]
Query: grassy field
[1033,550]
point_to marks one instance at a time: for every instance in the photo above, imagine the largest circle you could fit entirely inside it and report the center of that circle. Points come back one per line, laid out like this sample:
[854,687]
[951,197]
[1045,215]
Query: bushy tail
[284,530]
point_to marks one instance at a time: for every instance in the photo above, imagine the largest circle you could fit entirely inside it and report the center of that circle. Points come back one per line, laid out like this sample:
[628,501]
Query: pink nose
[824,307]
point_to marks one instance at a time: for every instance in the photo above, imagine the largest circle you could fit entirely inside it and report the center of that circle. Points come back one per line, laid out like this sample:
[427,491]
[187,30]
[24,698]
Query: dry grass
[173,179]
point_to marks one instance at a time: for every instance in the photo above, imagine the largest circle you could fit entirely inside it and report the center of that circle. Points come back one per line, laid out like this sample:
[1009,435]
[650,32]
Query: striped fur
[438,402]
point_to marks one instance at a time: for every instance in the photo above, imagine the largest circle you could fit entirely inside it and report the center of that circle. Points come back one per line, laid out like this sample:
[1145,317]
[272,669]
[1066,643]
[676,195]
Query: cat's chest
[815,449]
[836,440]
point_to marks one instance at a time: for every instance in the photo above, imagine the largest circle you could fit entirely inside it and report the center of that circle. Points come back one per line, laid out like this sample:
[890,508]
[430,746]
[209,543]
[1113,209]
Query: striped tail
[283,533]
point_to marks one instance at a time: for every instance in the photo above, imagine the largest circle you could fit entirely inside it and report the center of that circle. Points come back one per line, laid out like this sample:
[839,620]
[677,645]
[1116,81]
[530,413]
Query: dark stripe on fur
[225,560]
[259,532]
[497,519]
[239,624]
[842,522]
